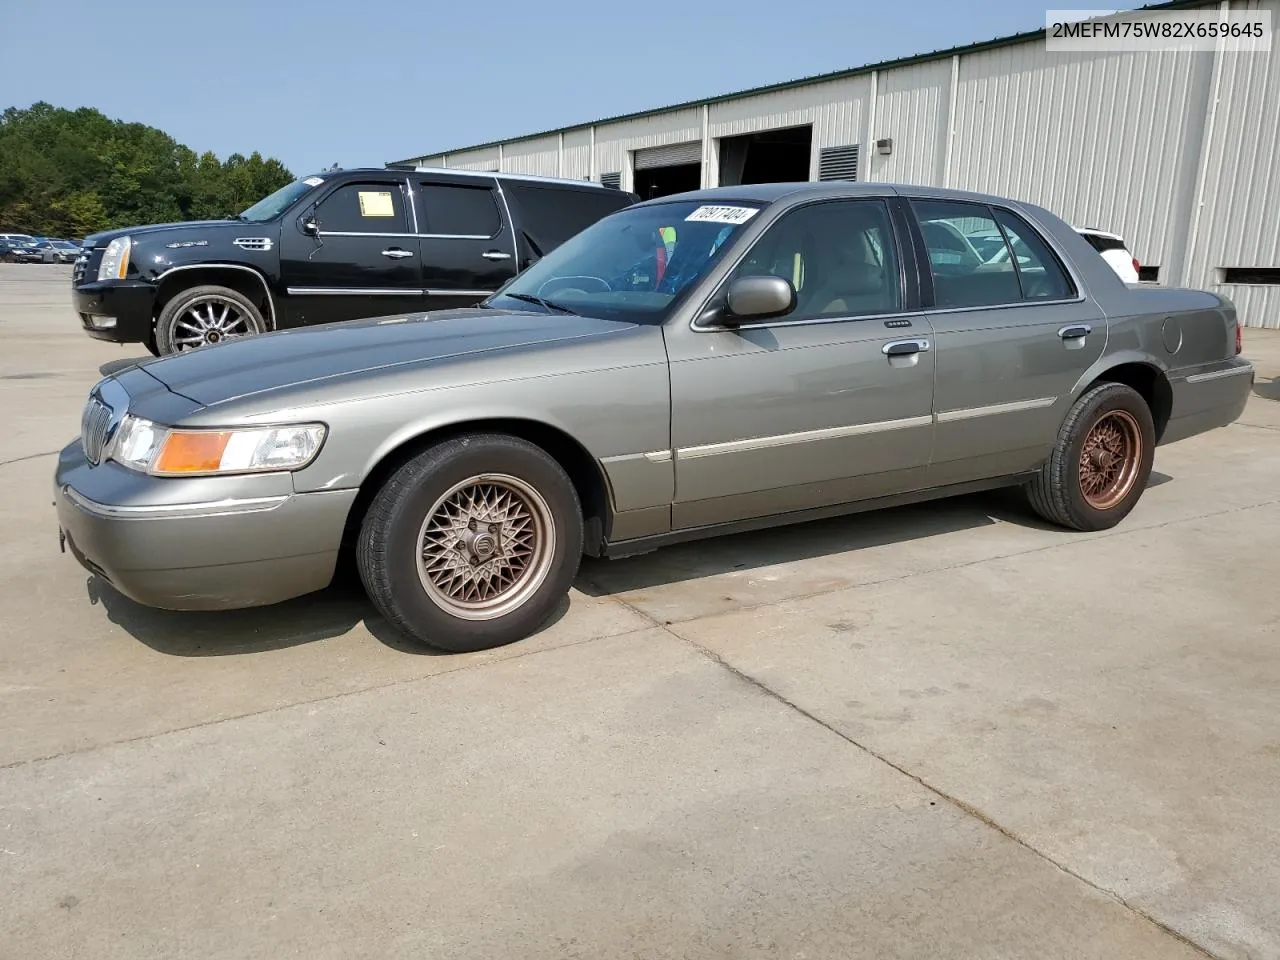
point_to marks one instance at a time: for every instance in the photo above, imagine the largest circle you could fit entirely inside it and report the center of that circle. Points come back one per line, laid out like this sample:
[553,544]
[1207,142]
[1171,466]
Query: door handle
[395,253]
[495,255]
[1075,332]
[905,348]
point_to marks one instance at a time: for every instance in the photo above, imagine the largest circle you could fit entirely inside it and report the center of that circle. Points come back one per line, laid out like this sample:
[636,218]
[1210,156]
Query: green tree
[71,172]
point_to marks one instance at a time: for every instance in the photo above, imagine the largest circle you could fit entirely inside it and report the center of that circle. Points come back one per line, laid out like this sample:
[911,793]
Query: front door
[829,404]
[468,247]
[362,261]
[1013,335]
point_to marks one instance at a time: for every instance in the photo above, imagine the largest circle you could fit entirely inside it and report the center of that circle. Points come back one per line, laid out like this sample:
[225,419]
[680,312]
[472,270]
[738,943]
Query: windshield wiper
[548,305]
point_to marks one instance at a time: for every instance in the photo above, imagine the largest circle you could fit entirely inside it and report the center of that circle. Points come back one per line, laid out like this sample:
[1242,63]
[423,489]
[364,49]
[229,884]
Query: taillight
[1137,267]
[1239,339]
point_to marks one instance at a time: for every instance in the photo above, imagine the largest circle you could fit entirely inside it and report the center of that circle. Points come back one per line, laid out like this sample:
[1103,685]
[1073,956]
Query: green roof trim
[977,47]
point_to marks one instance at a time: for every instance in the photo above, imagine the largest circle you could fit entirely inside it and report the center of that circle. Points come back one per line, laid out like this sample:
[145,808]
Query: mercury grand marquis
[695,365]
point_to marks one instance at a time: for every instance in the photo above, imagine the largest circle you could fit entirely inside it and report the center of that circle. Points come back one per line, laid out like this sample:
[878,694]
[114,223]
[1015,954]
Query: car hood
[291,358]
[106,236]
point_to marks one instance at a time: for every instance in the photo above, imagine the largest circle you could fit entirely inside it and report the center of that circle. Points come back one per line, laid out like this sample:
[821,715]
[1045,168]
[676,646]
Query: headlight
[145,446]
[115,260]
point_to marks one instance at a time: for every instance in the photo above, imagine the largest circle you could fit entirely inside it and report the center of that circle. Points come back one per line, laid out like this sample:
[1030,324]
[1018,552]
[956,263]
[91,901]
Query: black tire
[172,338]
[1058,494]
[391,542]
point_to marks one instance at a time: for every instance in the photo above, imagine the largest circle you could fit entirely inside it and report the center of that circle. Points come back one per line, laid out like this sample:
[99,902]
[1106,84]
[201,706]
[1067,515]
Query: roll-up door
[671,155]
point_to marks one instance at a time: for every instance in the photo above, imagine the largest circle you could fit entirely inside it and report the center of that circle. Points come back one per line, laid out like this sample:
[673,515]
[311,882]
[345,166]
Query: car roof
[772,192]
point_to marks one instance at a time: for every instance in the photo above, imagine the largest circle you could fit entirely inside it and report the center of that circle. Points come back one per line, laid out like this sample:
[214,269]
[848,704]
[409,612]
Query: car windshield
[631,266]
[268,208]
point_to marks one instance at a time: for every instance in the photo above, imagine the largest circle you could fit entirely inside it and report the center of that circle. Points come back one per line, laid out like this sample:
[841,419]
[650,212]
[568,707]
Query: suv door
[1013,335]
[468,247]
[362,261]
[831,403]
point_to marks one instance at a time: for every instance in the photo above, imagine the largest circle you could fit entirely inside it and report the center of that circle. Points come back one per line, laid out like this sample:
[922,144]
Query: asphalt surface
[939,731]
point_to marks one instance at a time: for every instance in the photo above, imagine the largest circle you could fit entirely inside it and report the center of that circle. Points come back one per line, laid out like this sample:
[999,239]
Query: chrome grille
[95,423]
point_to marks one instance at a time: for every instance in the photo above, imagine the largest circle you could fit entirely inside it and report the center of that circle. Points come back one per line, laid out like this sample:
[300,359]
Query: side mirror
[758,298]
[310,226]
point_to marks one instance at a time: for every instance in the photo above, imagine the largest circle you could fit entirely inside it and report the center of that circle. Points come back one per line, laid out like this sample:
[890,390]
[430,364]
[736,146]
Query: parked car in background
[9,245]
[1111,246]
[700,364]
[29,252]
[50,251]
[335,246]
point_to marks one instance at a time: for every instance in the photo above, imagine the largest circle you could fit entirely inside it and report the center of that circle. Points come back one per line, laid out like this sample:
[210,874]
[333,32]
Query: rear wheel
[1100,463]
[473,543]
[204,316]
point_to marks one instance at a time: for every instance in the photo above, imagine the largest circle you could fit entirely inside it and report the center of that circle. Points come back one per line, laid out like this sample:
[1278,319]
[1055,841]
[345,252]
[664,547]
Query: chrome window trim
[805,436]
[406,236]
[355,291]
[993,409]
[511,225]
[271,304]
[413,206]
[500,175]
[434,292]
[207,508]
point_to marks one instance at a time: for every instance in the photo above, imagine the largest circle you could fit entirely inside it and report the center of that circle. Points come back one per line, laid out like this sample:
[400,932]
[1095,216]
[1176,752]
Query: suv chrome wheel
[486,546]
[208,320]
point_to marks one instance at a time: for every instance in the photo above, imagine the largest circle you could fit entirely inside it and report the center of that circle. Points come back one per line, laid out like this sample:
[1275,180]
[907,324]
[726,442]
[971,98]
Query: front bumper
[184,544]
[1208,397]
[116,310]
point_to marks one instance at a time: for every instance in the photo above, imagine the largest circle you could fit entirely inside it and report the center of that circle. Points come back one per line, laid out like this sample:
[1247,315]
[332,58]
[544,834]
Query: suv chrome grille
[95,423]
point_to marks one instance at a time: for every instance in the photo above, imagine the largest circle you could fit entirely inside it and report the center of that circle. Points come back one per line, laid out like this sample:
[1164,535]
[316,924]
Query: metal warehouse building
[1177,151]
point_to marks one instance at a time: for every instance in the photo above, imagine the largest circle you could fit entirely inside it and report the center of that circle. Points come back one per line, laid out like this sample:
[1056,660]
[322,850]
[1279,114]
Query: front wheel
[204,316]
[1100,463]
[473,543]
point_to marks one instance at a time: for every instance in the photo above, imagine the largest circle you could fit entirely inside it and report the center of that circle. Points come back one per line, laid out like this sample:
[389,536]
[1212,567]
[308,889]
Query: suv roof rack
[568,181]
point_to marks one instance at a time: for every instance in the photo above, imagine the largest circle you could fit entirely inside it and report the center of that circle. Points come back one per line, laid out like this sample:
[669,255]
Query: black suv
[336,246]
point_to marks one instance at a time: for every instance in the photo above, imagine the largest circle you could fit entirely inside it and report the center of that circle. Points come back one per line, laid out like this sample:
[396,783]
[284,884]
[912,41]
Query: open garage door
[770,156]
[674,168]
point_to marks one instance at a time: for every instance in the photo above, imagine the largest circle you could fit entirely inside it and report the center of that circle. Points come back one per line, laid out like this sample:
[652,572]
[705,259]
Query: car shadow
[806,541]
[318,616]
[1267,389]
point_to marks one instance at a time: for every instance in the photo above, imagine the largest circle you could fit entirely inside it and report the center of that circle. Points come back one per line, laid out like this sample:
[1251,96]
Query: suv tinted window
[840,256]
[457,210]
[964,277]
[550,216]
[363,208]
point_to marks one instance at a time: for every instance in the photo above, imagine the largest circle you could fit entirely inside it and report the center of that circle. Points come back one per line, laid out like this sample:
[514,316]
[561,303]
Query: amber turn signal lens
[192,452]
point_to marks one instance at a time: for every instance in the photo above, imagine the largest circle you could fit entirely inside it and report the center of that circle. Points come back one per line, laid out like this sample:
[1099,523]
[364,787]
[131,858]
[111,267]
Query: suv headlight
[169,452]
[115,259]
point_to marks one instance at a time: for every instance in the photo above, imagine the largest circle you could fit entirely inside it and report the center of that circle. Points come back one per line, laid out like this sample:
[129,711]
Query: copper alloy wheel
[1110,459]
[486,546]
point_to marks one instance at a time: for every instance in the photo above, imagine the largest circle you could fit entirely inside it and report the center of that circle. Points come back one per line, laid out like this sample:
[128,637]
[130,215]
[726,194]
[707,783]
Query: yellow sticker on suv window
[376,203]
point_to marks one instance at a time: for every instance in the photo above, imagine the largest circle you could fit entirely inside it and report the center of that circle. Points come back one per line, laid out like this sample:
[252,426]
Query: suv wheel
[473,543]
[205,315]
[1100,463]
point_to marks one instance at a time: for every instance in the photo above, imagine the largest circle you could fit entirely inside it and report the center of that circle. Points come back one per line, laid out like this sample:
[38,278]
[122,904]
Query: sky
[361,84]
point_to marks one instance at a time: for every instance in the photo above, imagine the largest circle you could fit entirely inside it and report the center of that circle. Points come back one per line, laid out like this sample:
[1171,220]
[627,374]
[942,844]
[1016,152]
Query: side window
[1040,273]
[363,208]
[458,211]
[954,233]
[840,257]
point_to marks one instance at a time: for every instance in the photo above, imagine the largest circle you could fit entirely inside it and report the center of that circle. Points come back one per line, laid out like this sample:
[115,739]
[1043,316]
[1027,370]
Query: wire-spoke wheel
[472,543]
[487,544]
[205,316]
[1100,462]
[1109,459]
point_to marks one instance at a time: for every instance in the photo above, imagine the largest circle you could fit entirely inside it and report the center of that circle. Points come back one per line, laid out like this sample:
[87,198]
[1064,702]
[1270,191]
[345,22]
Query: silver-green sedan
[696,365]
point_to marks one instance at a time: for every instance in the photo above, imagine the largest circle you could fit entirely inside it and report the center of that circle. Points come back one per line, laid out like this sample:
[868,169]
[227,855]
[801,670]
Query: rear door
[361,262]
[468,248]
[1013,335]
[546,215]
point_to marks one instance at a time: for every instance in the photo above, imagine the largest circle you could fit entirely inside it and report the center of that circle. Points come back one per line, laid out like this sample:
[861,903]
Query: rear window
[550,216]
[1103,244]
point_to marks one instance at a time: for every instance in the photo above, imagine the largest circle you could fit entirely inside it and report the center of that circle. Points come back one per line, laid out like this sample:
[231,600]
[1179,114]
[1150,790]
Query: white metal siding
[540,157]
[911,105]
[577,155]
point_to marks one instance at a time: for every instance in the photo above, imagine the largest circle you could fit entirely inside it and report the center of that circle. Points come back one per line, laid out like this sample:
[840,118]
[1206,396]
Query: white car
[1110,246]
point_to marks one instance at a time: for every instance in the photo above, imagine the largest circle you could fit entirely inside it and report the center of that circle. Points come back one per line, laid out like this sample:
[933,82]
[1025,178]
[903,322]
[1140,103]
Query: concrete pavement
[940,731]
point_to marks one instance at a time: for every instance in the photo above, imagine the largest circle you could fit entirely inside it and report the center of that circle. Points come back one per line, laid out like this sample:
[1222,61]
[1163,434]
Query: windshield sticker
[313,181]
[376,203]
[734,215]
